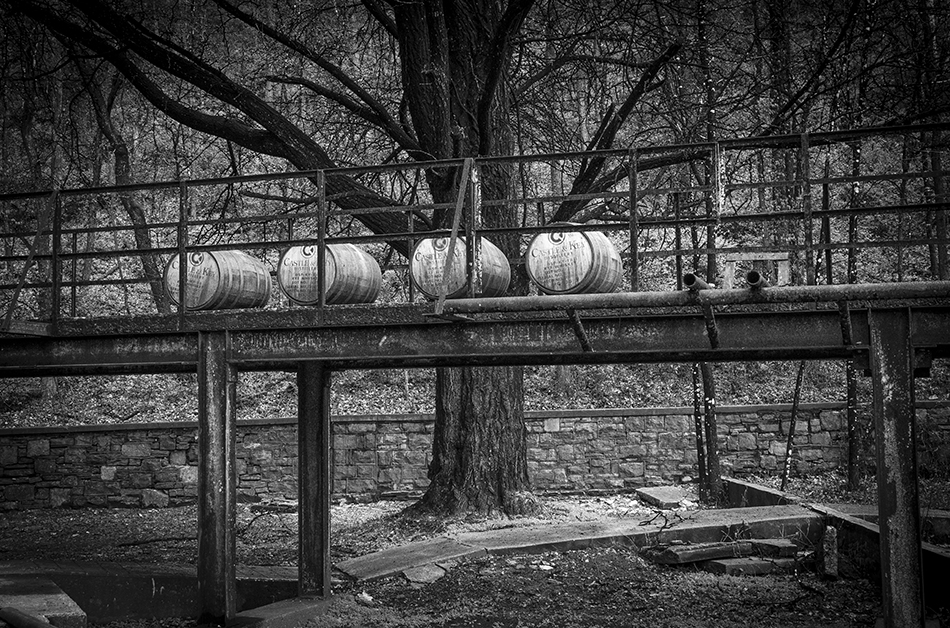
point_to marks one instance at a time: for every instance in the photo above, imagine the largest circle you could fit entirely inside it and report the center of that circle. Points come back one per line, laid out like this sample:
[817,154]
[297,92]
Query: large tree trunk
[457,86]
[479,448]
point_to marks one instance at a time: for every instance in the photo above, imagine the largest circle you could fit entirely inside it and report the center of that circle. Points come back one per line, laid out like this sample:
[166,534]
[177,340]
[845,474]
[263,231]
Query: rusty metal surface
[26,357]
[217,492]
[895,440]
[549,338]
[314,484]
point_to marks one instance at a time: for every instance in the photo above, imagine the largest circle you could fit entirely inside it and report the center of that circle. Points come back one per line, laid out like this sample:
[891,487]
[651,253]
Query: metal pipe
[783,294]
[755,280]
[694,283]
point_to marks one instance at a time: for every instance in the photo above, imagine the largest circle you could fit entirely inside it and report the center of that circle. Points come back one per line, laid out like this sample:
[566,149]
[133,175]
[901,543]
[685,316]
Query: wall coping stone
[534,415]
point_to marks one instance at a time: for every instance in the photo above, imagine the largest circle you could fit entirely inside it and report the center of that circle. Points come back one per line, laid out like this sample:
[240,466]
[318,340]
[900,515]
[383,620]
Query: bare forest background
[111,93]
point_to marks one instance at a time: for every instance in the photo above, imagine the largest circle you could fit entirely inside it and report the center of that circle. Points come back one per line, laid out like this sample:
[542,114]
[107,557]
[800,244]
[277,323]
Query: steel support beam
[314,482]
[895,435]
[783,335]
[217,498]
[525,339]
[144,353]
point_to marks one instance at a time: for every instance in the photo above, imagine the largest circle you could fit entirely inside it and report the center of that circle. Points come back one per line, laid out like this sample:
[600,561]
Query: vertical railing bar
[473,259]
[320,179]
[182,251]
[72,292]
[411,245]
[805,171]
[55,266]
[718,200]
[678,235]
[456,220]
[634,221]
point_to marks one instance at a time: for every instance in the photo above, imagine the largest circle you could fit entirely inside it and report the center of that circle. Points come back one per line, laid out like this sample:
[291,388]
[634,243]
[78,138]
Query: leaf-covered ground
[607,586]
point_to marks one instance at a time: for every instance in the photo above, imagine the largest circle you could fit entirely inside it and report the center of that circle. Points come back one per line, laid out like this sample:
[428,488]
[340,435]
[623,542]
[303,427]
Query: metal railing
[709,208]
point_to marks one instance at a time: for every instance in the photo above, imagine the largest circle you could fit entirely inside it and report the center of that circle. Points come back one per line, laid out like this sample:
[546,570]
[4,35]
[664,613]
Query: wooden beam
[314,482]
[895,435]
[217,381]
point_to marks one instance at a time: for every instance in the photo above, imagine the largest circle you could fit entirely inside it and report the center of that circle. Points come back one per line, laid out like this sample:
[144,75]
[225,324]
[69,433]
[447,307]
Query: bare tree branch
[587,180]
[794,103]
[509,25]
[383,119]
[377,11]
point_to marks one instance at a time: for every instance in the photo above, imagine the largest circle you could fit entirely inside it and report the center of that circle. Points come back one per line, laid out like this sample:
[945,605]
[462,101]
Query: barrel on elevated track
[219,280]
[573,262]
[427,265]
[352,275]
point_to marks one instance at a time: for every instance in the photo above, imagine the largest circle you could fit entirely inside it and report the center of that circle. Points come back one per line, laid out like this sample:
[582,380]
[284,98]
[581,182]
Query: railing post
[806,210]
[473,224]
[56,264]
[320,180]
[718,199]
[182,252]
[634,221]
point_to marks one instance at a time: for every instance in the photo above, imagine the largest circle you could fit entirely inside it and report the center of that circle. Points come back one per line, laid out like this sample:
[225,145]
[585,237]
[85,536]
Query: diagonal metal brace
[696,288]
[579,331]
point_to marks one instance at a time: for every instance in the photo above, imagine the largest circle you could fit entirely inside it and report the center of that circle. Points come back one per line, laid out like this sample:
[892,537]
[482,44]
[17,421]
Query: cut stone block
[774,548]
[40,597]
[425,574]
[749,566]
[662,496]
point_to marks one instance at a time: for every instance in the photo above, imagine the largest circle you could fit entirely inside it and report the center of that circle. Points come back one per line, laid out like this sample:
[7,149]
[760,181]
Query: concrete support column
[892,373]
[315,483]
[217,381]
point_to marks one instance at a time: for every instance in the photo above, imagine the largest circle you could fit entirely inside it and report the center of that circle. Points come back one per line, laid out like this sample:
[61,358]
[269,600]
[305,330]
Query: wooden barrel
[352,275]
[427,265]
[220,280]
[573,262]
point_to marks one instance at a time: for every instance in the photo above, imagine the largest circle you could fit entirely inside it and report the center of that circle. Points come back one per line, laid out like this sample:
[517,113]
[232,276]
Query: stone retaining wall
[155,465]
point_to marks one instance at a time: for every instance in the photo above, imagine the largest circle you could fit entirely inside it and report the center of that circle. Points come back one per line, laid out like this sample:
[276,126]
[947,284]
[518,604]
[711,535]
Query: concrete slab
[41,597]
[749,566]
[699,526]
[395,560]
[664,497]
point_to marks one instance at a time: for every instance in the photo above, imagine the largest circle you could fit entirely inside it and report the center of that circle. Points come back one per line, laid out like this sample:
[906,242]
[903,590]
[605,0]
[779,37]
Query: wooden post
[892,376]
[216,480]
[314,482]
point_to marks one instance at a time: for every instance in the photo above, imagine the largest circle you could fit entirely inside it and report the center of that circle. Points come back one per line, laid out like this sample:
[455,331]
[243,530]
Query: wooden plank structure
[893,330]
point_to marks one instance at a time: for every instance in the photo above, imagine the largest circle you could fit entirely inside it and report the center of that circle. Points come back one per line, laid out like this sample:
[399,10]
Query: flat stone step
[40,597]
[774,548]
[664,497]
